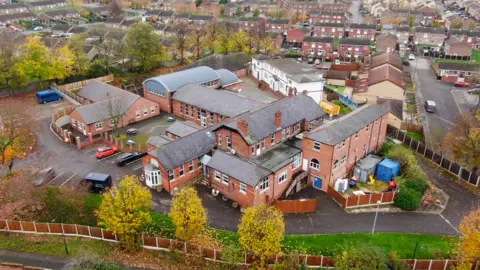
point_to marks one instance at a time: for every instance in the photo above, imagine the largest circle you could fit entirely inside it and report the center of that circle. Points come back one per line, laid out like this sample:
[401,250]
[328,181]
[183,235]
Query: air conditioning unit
[232,151]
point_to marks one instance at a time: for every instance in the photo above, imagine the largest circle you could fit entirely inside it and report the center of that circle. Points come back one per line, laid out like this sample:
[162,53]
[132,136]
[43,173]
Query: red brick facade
[318,47]
[278,27]
[346,50]
[362,33]
[329,30]
[194,114]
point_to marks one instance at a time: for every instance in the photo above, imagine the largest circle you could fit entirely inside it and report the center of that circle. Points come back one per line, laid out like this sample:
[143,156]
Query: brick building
[428,36]
[364,31]
[332,150]
[328,17]
[353,48]
[471,37]
[278,26]
[107,101]
[385,43]
[318,46]
[336,30]
[457,48]
[249,23]
[180,129]
[452,72]
[295,36]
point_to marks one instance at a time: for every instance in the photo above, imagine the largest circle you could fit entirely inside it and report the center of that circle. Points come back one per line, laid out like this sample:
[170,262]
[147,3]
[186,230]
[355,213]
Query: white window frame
[229,142]
[138,114]
[316,166]
[152,109]
[297,161]
[283,177]
[225,179]
[98,126]
[272,139]
[344,159]
[243,188]
[356,135]
[316,146]
[283,133]
[190,166]
[171,175]
[219,138]
[218,176]
[181,171]
[145,111]
[264,184]
[335,164]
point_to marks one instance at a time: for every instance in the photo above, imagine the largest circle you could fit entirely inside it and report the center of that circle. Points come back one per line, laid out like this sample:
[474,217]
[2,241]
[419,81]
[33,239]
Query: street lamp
[376,215]
[63,234]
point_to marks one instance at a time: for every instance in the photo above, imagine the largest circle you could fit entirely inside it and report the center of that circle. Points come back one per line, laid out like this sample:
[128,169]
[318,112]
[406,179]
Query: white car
[38,28]
[411,57]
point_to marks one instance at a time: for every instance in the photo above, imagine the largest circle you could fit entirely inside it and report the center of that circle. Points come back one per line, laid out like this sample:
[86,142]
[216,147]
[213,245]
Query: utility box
[387,170]
[365,167]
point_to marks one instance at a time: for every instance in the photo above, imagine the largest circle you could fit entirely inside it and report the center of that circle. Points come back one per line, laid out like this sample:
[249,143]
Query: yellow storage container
[330,108]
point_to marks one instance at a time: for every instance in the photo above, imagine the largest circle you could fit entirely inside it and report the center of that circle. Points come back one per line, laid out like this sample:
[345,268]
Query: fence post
[306,260]
[470,175]
[143,241]
[102,233]
[321,262]
[430,265]
[441,160]
[450,167]
[89,234]
[185,247]
[76,228]
[214,255]
[21,227]
[156,241]
[414,264]
[370,200]
[410,145]
[446,264]
[245,257]
[48,226]
[35,226]
[358,201]
[460,172]
[478,181]
[425,151]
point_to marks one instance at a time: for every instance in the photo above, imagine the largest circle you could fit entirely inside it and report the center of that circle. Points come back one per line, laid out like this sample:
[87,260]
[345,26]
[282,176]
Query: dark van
[97,182]
[48,96]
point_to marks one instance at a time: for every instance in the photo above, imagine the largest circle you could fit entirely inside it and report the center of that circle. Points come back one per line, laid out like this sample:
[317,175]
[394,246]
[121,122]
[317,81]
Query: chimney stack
[242,125]
[278,119]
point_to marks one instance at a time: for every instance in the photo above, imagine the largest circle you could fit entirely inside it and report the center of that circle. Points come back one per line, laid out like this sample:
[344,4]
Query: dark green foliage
[396,264]
[408,199]
[386,147]
[361,257]
[420,185]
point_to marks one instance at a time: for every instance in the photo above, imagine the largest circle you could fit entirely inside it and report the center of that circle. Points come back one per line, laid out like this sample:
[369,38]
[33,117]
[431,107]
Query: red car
[461,84]
[106,151]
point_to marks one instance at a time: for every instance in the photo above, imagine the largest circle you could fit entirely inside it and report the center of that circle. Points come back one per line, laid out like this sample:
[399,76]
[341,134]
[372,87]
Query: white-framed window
[343,143]
[253,149]
[186,110]
[211,118]
[219,138]
[153,177]
[152,109]
[356,135]
[367,128]
[198,114]
[297,126]
[314,164]
[283,133]
[138,114]
[145,111]
[225,179]
[98,126]
[335,165]
[344,158]
[181,171]
[199,163]
[288,131]
[297,160]
[316,146]
[74,122]
[339,146]
[272,139]
[217,176]
[310,126]
[171,175]
[192,111]
[264,184]
[243,188]
[263,143]
[365,148]
[282,177]
[229,142]
[190,166]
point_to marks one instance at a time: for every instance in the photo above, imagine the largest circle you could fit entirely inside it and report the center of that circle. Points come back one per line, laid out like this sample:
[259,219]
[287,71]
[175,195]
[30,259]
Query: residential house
[277,26]
[386,82]
[249,23]
[289,77]
[385,43]
[264,6]
[473,10]
[430,37]
[277,38]
[182,18]
[128,24]
[353,48]
[377,9]
[207,107]
[181,129]
[229,9]
[331,150]
[15,17]
[64,15]
[336,30]
[365,31]
[114,22]
[13,8]
[395,107]
[458,49]
[237,63]
[473,38]
[335,7]
[403,34]
[386,59]
[92,51]
[302,7]
[458,34]
[320,47]
[202,19]
[166,16]
[107,104]
[161,88]
[296,36]
[46,5]
[60,29]
[452,72]
[327,17]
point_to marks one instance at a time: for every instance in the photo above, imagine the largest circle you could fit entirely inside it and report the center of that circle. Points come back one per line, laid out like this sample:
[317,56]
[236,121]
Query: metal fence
[158,243]
[454,168]
[348,102]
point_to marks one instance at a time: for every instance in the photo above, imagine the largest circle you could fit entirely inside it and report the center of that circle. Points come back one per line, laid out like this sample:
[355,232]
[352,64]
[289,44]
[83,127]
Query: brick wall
[176,111]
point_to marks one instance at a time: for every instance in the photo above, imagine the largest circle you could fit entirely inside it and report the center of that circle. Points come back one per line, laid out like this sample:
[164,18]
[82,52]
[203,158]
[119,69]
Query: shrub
[420,185]
[408,161]
[408,199]
[386,147]
[396,264]
[362,257]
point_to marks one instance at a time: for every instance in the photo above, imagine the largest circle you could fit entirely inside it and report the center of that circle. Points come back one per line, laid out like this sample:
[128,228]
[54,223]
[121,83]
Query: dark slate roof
[276,157]
[232,62]
[337,25]
[338,130]
[459,66]
[159,140]
[387,58]
[354,41]
[243,170]
[201,18]
[277,21]
[430,30]
[62,27]
[17,16]
[42,3]
[183,16]
[153,12]
[217,101]
[318,39]
[261,122]
[227,77]
[78,29]
[185,149]
[114,20]
[13,6]
[97,91]
[458,32]
[62,12]
[403,29]
[182,129]
[167,13]
[362,26]
[394,106]
[473,34]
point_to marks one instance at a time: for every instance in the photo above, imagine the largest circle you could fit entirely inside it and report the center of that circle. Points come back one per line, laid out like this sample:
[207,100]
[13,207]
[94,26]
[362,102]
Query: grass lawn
[476,55]
[416,136]
[438,60]
[139,138]
[335,43]
[337,88]
[53,245]
[343,108]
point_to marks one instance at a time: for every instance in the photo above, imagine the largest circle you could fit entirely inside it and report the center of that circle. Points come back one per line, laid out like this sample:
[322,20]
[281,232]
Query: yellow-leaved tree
[469,245]
[261,231]
[187,213]
[125,210]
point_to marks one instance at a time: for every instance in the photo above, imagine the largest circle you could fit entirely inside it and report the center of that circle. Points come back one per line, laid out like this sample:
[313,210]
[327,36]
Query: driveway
[429,88]
[357,17]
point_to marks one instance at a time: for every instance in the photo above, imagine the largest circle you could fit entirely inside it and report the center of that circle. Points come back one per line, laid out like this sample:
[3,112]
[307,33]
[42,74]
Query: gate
[317,182]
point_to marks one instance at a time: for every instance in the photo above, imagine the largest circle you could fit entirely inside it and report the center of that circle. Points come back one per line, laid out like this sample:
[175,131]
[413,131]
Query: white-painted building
[284,74]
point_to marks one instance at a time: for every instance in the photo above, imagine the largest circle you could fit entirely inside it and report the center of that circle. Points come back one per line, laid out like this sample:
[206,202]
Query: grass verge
[416,136]
[343,108]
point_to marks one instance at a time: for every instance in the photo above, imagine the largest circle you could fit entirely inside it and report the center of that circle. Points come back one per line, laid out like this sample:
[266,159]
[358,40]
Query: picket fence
[158,243]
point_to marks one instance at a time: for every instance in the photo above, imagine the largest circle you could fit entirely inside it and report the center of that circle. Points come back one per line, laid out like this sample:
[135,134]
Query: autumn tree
[212,36]
[256,13]
[225,33]
[143,46]
[298,17]
[115,109]
[457,23]
[76,43]
[62,63]
[187,213]
[470,24]
[239,11]
[255,38]
[181,42]
[9,76]
[15,139]
[357,258]
[240,41]
[261,231]
[139,4]
[125,210]
[463,141]
[197,40]
[411,21]
[34,60]
[436,24]
[469,245]
[268,45]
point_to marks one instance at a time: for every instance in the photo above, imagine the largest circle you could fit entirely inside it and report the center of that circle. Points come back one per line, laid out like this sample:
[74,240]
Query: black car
[97,182]
[128,157]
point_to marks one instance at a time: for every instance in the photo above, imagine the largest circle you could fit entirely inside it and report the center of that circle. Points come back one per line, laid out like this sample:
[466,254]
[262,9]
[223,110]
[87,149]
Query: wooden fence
[454,168]
[297,206]
[77,85]
[366,200]
[158,243]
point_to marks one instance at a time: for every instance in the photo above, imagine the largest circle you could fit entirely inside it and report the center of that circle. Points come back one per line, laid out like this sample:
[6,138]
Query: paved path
[37,260]
[357,17]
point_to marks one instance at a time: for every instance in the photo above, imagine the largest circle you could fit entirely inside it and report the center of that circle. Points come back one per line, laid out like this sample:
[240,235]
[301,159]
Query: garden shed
[366,167]
[387,169]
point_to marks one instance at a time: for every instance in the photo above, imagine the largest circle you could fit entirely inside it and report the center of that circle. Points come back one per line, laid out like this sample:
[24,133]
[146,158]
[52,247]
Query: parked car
[38,28]
[125,158]
[132,131]
[430,106]
[170,119]
[461,84]
[130,142]
[97,182]
[44,176]
[411,57]
[106,151]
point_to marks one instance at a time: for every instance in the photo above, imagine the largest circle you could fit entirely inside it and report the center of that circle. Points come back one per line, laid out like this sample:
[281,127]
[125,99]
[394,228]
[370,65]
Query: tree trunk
[10,167]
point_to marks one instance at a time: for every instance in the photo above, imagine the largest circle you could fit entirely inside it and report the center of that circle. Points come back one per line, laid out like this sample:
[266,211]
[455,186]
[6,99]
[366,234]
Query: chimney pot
[242,125]
[278,119]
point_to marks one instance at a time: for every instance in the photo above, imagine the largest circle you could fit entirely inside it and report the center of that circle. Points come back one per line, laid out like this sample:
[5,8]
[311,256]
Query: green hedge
[408,199]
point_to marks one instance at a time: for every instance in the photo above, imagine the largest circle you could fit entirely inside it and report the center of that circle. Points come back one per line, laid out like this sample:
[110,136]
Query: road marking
[94,149]
[138,168]
[443,119]
[450,224]
[93,155]
[109,157]
[131,162]
[55,178]
[68,179]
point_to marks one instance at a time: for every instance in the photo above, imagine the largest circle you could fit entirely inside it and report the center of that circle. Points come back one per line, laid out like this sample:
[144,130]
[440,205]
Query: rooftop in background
[386,73]
[197,75]
[293,68]
[387,58]
[232,62]
[183,129]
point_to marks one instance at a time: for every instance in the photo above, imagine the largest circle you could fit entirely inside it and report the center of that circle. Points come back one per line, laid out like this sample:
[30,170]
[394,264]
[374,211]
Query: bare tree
[225,33]
[256,36]
[115,110]
[180,45]
[115,9]
[197,39]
